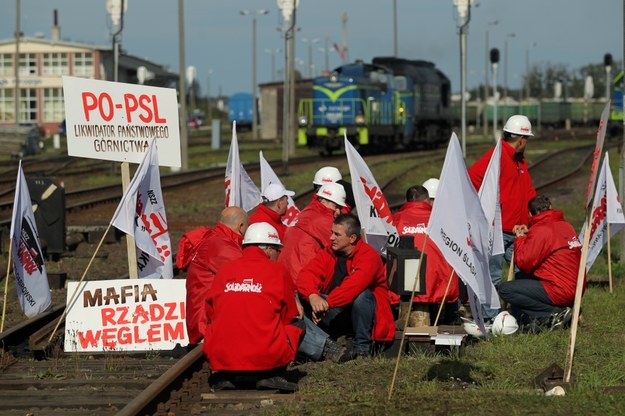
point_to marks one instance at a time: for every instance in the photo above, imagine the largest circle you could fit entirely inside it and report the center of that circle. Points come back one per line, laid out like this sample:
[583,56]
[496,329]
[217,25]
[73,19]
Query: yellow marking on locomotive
[334,95]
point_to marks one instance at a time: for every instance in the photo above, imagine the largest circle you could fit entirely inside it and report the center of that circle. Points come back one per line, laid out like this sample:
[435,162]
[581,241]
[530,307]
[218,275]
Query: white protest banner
[240,189]
[603,125]
[606,209]
[141,214]
[31,279]
[123,315]
[268,176]
[459,227]
[116,121]
[489,198]
[374,212]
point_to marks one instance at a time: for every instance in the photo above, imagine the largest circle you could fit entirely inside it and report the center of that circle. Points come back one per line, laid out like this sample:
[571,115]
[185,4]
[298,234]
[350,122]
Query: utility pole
[395,28]
[464,14]
[17,62]
[288,14]
[494,61]
[182,92]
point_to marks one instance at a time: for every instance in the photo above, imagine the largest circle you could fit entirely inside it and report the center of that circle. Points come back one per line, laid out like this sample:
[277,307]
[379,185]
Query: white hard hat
[471,328]
[327,174]
[333,192]
[262,233]
[504,324]
[275,191]
[518,125]
[432,186]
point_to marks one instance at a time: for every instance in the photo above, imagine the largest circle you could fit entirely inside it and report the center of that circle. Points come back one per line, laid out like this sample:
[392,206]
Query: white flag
[268,176]
[459,227]
[374,212]
[606,208]
[240,189]
[29,269]
[141,214]
[489,198]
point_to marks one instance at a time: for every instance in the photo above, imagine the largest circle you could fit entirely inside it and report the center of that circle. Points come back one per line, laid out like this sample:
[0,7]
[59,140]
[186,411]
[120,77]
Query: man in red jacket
[412,219]
[312,231]
[221,246]
[515,190]
[274,205]
[344,289]
[548,256]
[253,330]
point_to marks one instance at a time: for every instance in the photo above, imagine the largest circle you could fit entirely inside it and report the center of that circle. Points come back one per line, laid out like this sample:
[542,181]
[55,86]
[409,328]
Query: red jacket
[515,185]
[250,307]
[307,237]
[221,247]
[264,214]
[365,271]
[412,219]
[551,252]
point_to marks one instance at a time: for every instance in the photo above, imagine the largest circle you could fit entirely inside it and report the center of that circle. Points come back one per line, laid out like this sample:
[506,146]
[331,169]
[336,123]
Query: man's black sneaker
[354,355]
[276,383]
[561,319]
[223,385]
[333,351]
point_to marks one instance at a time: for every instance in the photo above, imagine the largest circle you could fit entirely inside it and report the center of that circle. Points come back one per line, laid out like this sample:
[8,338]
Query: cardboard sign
[116,121]
[126,315]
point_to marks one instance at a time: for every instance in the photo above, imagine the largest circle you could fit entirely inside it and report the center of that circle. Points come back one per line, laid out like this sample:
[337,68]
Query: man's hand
[319,307]
[519,230]
[300,308]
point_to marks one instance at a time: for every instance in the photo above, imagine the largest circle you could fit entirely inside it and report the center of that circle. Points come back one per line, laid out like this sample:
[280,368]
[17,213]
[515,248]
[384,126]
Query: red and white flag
[374,212]
[603,125]
[29,269]
[459,227]
[606,209]
[141,214]
[268,176]
[240,189]
[489,198]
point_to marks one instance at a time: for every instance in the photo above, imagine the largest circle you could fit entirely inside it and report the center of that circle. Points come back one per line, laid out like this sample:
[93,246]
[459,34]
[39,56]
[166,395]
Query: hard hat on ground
[432,186]
[262,233]
[333,192]
[518,124]
[327,174]
[504,324]
[275,191]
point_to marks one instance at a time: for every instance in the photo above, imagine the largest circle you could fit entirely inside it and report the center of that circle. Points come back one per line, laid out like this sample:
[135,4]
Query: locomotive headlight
[360,119]
[302,121]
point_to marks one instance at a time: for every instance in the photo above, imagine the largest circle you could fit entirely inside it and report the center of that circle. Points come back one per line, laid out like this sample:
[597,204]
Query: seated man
[273,207]
[222,245]
[344,285]
[547,255]
[253,330]
[312,231]
[412,219]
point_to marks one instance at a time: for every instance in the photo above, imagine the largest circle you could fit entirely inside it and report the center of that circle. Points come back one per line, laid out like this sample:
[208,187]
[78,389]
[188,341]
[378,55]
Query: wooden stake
[6,285]
[581,274]
[609,259]
[71,300]
[511,269]
[403,333]
[440,308]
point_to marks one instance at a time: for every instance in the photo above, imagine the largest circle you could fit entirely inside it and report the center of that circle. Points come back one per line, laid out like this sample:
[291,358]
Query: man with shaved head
[222,245]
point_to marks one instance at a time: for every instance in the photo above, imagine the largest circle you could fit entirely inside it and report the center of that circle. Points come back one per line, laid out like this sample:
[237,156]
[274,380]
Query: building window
[7,105]
[28,105]
[28,64]
[53,109]
[6,64]
[55,64]
[83,64]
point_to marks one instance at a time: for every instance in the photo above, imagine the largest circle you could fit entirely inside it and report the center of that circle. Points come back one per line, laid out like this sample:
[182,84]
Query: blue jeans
[357,317]
[495,267]
[528,299]
[313,342]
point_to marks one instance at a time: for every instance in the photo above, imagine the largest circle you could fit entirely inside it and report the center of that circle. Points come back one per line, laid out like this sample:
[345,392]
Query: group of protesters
[261,295]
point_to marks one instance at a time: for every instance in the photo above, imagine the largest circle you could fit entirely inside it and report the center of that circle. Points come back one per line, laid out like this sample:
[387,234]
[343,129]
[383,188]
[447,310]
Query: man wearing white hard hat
[515,189]
[274,206]
[432,187]
[314,224]
[329,174]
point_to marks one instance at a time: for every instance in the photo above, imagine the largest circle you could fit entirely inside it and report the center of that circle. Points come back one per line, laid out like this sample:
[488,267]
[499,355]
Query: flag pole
[6,285]
[578,300]
[609,258]
[511,269]
[403,333]
[79,282]
[440,308]
[131,247]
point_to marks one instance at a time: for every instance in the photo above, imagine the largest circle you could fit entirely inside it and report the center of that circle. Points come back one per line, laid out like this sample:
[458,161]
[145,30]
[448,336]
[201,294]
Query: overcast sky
[219,39]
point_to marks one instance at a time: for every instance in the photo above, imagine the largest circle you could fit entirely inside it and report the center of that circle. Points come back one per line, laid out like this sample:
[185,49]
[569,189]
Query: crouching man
[344,289]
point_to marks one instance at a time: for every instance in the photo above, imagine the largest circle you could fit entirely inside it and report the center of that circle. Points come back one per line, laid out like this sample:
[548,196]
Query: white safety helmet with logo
[327,174]
[518,125]
[333,192]
[504,324]
[262,233]
[432,186]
